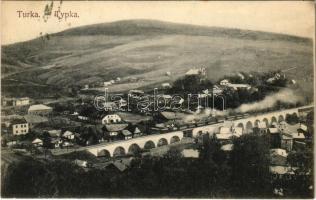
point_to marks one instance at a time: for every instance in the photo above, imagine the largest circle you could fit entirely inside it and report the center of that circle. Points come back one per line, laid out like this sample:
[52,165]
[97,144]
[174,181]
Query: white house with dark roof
[127,134]
[69,135]
[111,119]
[19,126]
[115,129]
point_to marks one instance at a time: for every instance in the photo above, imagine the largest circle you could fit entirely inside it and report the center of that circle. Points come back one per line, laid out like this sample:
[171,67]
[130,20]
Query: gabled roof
[67,133]
[18,121]
[278,151]
[35,119]
[54,133]
[120,166]
[170,115]
[224,136]
[190,153]
[39,107]
[225,80]
[238,131]
[282,170]
[115,127]
[126,132]
[37,140]
[303,127]
[137,130]
[286,137]
[298,135]
[227,147]
[193,72]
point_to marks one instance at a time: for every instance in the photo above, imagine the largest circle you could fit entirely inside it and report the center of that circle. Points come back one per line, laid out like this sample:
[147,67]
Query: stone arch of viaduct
[129,146]
[268,118]
[249,122]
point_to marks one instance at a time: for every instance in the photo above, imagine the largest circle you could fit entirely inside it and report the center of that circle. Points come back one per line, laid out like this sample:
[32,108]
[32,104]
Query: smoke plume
[284,96]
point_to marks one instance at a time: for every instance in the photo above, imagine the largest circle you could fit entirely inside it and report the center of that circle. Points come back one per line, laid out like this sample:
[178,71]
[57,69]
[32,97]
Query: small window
[16,131]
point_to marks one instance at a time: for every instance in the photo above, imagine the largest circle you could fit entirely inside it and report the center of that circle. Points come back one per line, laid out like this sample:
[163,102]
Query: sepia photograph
[157,99]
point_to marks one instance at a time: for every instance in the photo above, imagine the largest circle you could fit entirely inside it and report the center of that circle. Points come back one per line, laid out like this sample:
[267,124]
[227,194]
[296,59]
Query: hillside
[147,49]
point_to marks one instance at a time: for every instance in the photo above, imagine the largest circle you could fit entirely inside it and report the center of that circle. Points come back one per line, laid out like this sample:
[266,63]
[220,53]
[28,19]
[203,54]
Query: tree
[250,166]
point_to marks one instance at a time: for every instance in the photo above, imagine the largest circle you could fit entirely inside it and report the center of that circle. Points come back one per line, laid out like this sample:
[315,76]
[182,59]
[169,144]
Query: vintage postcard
[157,99]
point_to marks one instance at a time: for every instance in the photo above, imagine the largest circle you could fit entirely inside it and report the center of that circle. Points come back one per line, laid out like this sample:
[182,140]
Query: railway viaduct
[131,146]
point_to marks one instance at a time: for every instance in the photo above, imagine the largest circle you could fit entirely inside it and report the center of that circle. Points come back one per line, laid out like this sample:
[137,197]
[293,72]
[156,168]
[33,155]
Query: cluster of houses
[20,125]
[23,101]
[284,138]
[111,125]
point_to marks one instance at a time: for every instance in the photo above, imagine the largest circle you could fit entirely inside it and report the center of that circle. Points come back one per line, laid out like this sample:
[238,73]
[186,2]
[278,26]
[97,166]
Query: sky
[289,17]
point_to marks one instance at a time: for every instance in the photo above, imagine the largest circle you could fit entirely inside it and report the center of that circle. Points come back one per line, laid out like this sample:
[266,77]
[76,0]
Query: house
[224,82]
[54,133]
[165,85]
[278,157]
[286,142]
[190,153]
[83,118]
[282,171]
[19,126]
[237,131]
[217,89]
[107,83]
[40,109]
[137,132]
[34,120]
[298,136]
[110,106]
[196,72]
[117,165]
[69,135]
[110,119]
[37,142]
[303,127]
[227,147]
[136,93]
[295,132]
[21,101]
[81,163]
[166,116]
[126,134]
[239,86]
[67,144]
[16,101]
[133,118]
[57,142]
[224,134]
[261,128]
[115,129]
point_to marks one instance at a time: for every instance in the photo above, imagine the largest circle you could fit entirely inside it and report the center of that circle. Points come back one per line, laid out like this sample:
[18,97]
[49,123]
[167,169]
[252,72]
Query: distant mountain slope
[147,49]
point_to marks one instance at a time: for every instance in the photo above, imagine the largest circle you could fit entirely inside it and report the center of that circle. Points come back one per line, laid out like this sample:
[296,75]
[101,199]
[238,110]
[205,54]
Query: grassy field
[146,50]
